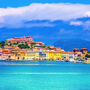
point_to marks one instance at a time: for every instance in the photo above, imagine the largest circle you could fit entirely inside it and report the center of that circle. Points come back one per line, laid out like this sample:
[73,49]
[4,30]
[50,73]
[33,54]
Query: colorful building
[51,46]
[18,55]
[43,55]
[5,54]
[67,55]
[31,55]
[20,40]
[55,55]
[83,50]
[76,50]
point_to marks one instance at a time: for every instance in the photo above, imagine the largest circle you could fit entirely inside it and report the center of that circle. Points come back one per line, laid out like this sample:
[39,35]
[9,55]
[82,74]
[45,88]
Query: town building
[76,50]
[51,46]
[18,54]
[67,55]
[20,40]
[55,55]
[11,47]
[39,44]
[31,55]
[83,50]
[5,54]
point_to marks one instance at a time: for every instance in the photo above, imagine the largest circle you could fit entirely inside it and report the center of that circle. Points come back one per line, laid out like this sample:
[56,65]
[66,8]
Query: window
[18,54]
[0,54]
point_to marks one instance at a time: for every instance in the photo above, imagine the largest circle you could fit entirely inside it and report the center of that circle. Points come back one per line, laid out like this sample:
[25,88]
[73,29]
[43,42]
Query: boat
[2,59]
[57,60]
[62,61]
[72,60]
[67,60]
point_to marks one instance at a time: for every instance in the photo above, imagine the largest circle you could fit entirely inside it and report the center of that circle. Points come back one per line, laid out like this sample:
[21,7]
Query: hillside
[70,44]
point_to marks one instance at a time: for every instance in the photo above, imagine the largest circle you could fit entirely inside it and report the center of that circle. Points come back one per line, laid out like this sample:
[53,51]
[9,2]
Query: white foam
[47,73]
[29,64]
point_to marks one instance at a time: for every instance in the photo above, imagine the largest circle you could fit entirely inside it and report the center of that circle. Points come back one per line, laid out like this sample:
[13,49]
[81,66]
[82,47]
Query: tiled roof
[76,49]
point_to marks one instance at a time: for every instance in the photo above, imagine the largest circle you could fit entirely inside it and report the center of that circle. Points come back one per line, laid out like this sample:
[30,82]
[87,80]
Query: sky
[46,21]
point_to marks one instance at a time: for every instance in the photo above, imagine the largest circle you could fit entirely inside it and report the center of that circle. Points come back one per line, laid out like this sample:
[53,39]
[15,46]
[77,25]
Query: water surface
[44,75]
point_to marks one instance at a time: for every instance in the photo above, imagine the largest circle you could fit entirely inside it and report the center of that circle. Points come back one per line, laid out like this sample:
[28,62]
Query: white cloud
[39,25]
[13,17]
[85,24]
[76,23]
[87,14]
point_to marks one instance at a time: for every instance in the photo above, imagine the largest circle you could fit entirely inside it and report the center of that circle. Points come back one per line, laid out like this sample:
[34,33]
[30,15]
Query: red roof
[83,49]
[76,49]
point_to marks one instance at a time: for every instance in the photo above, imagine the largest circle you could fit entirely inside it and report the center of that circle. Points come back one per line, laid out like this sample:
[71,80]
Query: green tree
[2,44]
[87,55]
[88,52]
[32,45]
[14,43]
[23,46]
[10,44]
[49,47]
[9,41]
[77,58]
[6,44]
[43,46]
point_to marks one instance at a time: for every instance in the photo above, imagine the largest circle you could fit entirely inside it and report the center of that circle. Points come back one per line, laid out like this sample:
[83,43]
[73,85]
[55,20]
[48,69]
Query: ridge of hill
[70,44]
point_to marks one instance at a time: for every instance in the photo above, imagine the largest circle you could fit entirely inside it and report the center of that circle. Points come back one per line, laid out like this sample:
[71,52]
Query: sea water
[44,75]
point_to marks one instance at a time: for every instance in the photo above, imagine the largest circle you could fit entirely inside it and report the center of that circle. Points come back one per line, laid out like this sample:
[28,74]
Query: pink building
[23,38]
[83,50]
[39,43]
[0,49]
[4,56]
[19,39]
[76,50]
[10,47]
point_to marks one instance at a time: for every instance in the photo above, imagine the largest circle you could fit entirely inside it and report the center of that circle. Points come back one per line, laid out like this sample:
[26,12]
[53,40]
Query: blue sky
[46,21]
[19,3]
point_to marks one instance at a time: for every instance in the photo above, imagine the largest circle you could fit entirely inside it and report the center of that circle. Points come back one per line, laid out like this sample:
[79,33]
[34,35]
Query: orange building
[11,47]
[39,43]
[51,46]
[19,39]
[58,48]
[75,50]
[5,54]
[83,50]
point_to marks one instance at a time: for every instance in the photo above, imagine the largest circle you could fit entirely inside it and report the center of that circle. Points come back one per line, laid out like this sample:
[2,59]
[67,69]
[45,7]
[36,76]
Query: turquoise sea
[44,75]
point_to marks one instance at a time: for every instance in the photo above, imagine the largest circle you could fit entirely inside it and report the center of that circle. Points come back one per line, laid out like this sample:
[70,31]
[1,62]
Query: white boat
[72,60]
[62,61]
[2,59]
[57,60]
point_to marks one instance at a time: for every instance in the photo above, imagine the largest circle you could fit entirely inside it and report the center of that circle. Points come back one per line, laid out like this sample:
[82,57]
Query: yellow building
[18,55]
[14,54]
[55,55]
[35,55]
[32,55]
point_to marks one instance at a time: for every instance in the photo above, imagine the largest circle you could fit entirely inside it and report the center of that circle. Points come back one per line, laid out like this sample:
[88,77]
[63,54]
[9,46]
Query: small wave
[47,73]
[28,64]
